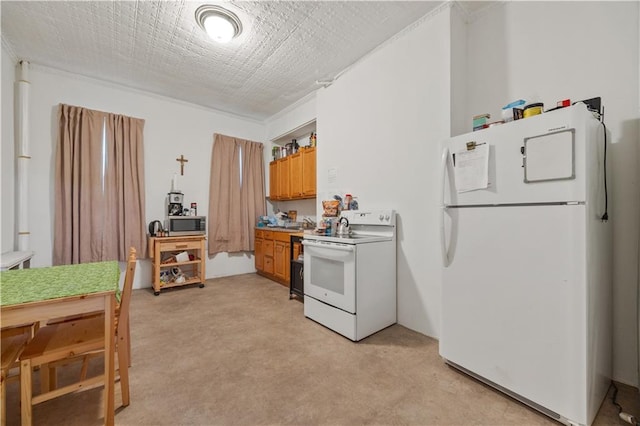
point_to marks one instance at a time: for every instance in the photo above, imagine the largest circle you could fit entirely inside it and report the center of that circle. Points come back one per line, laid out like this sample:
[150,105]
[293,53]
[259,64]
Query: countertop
[283,229]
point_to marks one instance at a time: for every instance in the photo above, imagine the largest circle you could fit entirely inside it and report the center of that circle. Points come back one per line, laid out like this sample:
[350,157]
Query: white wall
[548,51]
[292,117]
[172,128]
[379,126]
[460,123]
[8,153]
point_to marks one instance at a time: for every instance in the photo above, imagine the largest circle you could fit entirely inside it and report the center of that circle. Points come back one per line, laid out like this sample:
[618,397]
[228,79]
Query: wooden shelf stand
[163,254]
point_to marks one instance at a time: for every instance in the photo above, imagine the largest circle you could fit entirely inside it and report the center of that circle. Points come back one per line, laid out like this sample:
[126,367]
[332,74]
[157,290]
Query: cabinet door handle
[301,271]
[181,246]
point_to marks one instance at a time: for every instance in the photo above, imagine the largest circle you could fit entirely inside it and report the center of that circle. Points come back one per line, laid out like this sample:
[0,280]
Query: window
[99,186]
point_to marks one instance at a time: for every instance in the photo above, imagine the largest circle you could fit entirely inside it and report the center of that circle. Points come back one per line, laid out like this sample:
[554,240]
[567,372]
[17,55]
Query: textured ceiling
[157,46]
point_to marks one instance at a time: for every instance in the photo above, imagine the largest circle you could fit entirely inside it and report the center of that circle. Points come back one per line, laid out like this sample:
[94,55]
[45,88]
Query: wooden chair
[62,342]
[13,340]
[71,318]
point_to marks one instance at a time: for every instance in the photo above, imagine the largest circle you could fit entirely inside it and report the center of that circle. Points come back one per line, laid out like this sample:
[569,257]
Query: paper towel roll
[174,183]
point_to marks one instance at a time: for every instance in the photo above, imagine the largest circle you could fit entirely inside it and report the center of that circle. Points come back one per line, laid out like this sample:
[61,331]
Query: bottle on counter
[347,201]
[328,226]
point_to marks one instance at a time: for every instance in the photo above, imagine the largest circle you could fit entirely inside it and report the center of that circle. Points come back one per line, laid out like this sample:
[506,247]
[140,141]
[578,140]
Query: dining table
[40,294]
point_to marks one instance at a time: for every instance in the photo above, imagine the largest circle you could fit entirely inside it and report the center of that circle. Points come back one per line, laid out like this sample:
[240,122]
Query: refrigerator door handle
[444,162]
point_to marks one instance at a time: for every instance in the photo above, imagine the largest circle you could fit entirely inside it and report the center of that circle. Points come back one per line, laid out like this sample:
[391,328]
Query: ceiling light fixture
[219,23]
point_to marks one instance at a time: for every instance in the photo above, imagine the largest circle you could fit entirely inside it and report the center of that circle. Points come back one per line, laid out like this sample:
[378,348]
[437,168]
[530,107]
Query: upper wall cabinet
[297,121]
[294,177]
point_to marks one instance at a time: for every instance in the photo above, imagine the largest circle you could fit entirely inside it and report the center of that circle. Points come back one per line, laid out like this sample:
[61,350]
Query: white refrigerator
[526,296]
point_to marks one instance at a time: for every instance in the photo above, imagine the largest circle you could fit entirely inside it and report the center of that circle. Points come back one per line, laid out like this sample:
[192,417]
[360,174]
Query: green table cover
[37,284]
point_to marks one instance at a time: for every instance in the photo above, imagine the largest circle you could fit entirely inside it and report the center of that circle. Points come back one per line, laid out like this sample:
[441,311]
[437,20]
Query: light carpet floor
[239,352]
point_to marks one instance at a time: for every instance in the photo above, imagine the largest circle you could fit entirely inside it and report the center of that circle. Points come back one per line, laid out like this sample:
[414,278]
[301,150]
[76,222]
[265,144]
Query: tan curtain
[79,205]
[99,188]
[252,197]
[124,187]
[235,199]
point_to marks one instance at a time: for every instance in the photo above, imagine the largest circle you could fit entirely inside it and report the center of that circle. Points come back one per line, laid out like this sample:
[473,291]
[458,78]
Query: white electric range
[350,282]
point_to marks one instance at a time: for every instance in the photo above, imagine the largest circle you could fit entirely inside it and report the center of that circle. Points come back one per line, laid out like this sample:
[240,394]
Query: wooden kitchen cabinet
[274,187]
[163,255]
[284,174]
[259,251]
[267,249]
[293,177]
[275,250]
[281,259]
[309,172]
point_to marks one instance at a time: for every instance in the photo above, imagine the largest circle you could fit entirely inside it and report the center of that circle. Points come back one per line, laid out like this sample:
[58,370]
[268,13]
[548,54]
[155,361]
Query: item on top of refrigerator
[533,109]
[518,113]
[560,104]
[480,121]
[508,113]
[353,204]
[593,104]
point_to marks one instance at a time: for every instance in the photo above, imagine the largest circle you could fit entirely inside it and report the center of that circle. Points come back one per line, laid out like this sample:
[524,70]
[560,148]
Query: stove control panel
[372,217]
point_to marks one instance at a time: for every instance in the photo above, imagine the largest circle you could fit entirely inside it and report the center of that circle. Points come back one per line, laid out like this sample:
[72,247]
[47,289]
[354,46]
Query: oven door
[330,273]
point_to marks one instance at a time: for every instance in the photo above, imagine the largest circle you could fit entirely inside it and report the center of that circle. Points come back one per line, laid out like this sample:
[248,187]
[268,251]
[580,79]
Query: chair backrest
[125,298]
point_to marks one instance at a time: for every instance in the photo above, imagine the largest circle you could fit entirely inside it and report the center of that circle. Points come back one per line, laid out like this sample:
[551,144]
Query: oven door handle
[330,246]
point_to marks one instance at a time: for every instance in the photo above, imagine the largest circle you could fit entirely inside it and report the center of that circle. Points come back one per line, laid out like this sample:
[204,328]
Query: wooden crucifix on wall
[182,160]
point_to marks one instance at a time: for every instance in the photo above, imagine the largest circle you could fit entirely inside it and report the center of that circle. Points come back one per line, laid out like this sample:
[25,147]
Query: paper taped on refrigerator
[472,168]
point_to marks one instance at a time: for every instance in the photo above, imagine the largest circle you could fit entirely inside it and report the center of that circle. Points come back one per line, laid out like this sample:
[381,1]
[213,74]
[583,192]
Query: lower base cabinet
[273,255]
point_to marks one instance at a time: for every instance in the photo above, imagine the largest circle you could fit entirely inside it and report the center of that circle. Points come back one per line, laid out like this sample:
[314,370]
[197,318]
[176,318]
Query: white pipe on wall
[22,155]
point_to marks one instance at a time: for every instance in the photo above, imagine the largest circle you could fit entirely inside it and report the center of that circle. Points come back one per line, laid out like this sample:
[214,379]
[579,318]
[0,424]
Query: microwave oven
[185,225]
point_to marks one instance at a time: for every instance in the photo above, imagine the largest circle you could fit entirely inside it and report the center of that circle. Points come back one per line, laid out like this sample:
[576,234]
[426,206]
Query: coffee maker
[174,203]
